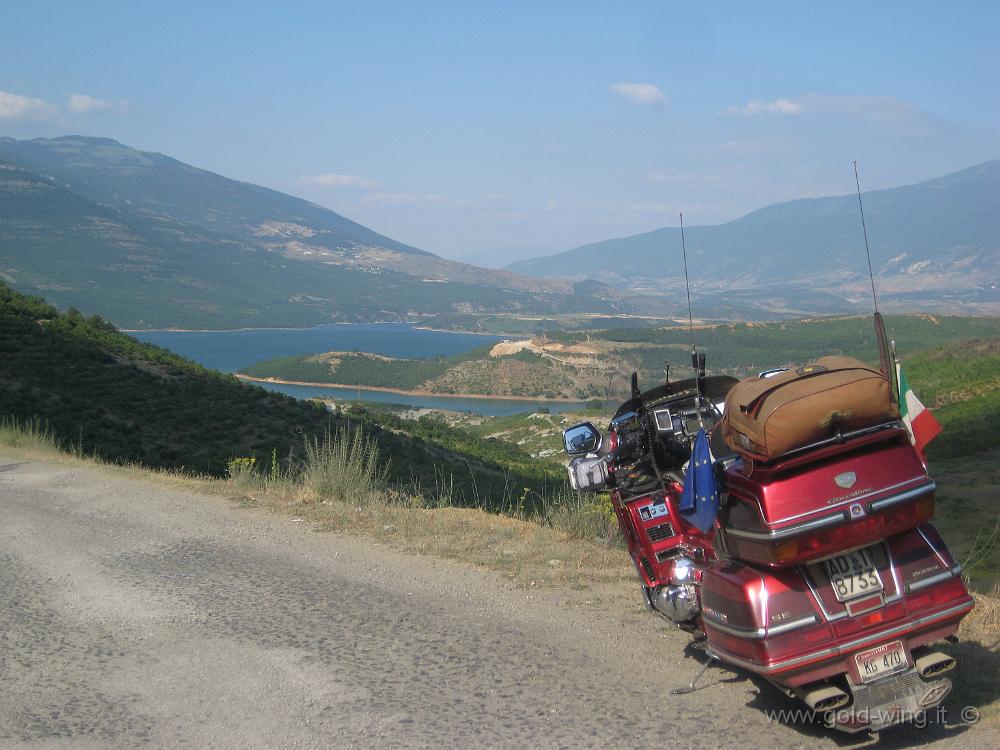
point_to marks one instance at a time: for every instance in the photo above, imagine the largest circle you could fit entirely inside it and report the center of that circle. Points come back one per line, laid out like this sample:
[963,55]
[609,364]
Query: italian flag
[923,425]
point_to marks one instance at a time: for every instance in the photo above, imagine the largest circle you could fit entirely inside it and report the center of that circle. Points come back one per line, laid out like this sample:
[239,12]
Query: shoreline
[402,392]
[267,328]
[411,324]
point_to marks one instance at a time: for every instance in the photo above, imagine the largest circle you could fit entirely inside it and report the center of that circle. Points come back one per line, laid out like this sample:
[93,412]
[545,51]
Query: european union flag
[700,499]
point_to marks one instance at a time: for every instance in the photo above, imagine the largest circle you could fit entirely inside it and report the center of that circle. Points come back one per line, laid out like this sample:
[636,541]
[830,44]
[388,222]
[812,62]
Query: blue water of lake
[230,350]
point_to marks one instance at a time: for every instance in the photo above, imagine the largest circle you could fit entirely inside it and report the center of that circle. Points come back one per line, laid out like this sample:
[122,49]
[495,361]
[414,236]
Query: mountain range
[934,245]
[148,241]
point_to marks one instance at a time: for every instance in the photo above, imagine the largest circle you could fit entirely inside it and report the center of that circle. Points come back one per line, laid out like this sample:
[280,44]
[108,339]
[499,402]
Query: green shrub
[345,467]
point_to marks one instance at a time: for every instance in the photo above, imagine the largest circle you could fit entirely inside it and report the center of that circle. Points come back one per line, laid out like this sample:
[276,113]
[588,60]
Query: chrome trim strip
[798,528]
[755,633]
[902,497]
[936,578]
[761,633]
[815,655]
[792,625]
[925,582]
[833,518]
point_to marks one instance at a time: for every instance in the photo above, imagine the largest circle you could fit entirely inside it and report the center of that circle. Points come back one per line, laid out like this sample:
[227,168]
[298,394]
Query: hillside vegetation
[102,392]
[961,383]
[526,373]
[360,368]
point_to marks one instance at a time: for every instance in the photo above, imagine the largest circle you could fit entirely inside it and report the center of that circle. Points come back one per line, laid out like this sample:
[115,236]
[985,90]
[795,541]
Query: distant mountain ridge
[148,241]
[936,240]
[107,172]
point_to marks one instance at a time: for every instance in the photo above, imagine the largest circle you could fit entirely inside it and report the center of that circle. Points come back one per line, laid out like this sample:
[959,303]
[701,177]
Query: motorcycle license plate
[881,660]
[852,574]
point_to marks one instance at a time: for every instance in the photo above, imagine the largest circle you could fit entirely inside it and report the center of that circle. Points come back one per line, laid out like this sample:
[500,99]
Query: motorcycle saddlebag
[768,417]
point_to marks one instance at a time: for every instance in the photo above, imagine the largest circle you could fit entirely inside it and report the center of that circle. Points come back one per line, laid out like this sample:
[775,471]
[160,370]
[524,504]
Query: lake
[231,350]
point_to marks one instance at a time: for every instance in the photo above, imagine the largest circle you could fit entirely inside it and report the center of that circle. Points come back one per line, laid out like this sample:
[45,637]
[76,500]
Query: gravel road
[135,615]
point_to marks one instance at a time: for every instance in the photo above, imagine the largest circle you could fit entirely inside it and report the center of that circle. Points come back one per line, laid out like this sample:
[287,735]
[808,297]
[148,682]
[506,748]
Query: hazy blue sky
[468,126]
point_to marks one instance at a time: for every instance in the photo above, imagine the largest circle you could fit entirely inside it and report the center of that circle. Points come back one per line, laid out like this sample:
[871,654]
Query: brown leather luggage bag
[768,417]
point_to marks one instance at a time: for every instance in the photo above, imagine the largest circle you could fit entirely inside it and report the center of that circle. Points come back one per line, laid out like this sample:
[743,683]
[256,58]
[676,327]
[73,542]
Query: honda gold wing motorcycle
[784,521]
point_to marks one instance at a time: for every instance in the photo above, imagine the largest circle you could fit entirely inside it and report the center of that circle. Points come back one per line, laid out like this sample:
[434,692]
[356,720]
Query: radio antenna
[687,286]
[886,354]
[864,229]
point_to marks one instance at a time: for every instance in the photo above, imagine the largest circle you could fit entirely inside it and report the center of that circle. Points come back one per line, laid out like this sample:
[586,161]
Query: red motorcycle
[819,570]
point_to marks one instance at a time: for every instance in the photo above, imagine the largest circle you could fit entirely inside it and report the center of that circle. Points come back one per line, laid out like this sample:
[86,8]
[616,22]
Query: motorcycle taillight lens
[940,593]
[871,528]
[790,645]
[734,645]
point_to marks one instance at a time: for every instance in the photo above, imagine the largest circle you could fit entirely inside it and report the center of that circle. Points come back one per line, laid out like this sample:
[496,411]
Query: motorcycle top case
[767,417]
[816,504]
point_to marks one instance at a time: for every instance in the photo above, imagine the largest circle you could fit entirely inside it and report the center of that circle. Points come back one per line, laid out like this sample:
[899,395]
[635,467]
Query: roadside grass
[571,540]
[30,435]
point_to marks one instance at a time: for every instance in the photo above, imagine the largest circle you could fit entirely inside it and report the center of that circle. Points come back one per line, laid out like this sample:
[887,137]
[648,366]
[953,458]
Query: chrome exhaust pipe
[932,663]
[822,696]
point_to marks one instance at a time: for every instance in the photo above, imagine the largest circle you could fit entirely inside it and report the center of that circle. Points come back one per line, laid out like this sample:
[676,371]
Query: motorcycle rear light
[853,625]
[875,618]
[791,645]
[785,550]
[732,644]
[942,592]
[919,601]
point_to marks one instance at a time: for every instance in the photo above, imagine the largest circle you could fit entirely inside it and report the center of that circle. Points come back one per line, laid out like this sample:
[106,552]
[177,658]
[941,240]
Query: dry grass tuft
[32,436]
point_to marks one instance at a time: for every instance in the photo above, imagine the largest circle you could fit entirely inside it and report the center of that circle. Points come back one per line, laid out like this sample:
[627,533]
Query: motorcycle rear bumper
[809,665]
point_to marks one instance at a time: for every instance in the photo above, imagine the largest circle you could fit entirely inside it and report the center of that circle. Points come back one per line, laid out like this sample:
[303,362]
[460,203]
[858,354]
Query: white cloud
[888,111]
[339,180]
[17,107]
[640,93]
[84,104]
[777,107]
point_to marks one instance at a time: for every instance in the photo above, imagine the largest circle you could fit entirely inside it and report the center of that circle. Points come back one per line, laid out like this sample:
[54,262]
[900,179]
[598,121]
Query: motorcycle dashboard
[684,420]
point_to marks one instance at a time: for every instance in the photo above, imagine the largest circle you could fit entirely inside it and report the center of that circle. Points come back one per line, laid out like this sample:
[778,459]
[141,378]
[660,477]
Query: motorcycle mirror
[582,438]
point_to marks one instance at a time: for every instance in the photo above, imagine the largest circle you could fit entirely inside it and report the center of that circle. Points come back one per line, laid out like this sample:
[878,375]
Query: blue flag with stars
[700,499]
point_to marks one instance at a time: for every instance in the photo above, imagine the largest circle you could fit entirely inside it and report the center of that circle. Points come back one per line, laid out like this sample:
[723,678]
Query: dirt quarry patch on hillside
[505,348]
